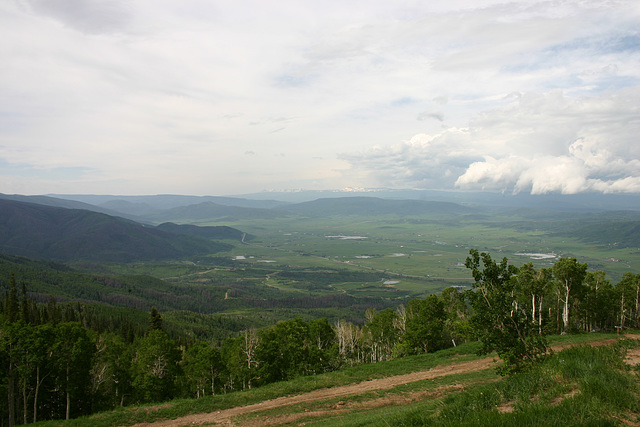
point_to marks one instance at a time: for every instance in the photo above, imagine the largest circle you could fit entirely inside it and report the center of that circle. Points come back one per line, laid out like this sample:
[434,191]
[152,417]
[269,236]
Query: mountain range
[131,228]
[63,234]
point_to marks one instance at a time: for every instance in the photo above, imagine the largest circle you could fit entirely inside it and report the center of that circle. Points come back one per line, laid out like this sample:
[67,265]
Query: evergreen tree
[11,309]
[155,320]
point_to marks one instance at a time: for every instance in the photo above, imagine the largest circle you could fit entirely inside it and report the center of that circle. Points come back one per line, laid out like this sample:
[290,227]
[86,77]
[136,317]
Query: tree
[155,320]
[597,304]
[154,367]
[34,353]
[348,337]
[456,325]
[285,350]
[629,293]
[73,351]
[11,309]
[380,334]
[425,325]
[322,346]
[241,360]
[202,364]
[501,325]
[110,374]
[531,285]
[570,275]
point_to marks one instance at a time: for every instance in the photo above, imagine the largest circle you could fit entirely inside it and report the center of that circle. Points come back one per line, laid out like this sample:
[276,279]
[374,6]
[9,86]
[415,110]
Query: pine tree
[12,301]
[155,320]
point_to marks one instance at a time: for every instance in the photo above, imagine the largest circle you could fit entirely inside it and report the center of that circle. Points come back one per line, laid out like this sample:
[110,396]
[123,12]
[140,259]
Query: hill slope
[370,206]
[210,210]
[582,383]
[60,234]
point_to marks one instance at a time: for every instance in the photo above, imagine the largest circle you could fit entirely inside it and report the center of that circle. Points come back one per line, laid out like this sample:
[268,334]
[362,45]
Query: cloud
[87,16]
[551,143]
[423,161]
[126,95]
[438,115]
[538,143]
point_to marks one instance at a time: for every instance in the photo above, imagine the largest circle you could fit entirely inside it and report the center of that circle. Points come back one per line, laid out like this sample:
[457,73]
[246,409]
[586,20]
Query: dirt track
[224,417]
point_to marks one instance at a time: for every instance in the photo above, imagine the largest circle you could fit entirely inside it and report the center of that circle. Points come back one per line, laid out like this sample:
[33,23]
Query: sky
[212,97]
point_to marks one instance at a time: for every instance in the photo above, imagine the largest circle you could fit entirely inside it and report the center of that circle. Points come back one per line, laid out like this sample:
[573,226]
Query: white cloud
[554,144]
[538,143]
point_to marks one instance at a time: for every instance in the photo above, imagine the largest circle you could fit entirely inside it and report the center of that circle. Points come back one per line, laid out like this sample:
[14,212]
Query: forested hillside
[60,234]
[118,365]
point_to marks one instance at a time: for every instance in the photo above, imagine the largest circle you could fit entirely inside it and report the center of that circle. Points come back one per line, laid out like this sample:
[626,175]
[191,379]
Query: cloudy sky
[211,97]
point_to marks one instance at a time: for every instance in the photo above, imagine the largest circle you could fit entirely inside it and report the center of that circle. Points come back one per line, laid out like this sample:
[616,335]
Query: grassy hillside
[209,210]
[578,386]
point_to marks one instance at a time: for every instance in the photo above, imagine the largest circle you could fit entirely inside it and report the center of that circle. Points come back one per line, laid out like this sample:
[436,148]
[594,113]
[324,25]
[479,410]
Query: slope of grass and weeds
[350,375]
[579,386]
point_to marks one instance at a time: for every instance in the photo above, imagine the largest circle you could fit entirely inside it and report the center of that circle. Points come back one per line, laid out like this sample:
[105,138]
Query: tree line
[56,364]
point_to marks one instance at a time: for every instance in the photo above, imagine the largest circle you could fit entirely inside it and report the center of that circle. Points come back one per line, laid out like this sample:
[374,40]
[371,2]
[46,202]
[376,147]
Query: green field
[337,266]
[422,255]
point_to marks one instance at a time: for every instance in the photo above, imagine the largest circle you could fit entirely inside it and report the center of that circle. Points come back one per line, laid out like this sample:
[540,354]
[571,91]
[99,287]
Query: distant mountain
[207,232]
[374,206]
[57,202]
[210,210]
[61,234]
[584,202]
[125,207]
[135,205]
[608,232]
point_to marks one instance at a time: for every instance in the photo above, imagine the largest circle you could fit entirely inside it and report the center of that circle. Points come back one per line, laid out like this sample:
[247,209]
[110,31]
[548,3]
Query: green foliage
[202,365]
[425,326]
[155,367]
[570,275]
[498,320]
[155,320]
[74,350]
[629,300]
[110,375]
[380,335]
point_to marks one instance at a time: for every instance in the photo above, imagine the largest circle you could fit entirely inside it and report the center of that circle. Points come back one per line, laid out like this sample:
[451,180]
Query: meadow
[422,255]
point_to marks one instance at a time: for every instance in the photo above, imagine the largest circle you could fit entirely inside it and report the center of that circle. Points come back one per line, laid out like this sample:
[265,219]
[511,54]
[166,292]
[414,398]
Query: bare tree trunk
[533,307]
[565,310]
[637,313]
[11,396]
[622,311]
[540,316]
[68,411]
[25,399]
[35,395]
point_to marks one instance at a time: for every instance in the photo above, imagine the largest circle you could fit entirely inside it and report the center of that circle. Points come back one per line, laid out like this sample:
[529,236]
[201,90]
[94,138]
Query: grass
[434,249]
[580,386]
